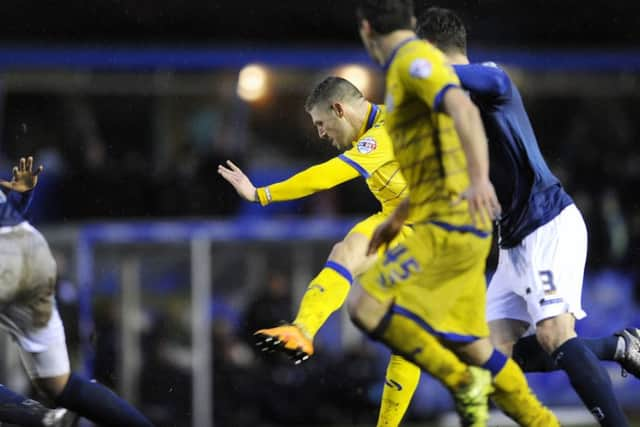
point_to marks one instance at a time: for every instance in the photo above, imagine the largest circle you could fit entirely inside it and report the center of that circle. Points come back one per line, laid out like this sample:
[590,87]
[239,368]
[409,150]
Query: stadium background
[164,273]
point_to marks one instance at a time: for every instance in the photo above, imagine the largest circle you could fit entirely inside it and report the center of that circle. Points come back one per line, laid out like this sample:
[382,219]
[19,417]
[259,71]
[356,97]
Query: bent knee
[553,332]
[365,311]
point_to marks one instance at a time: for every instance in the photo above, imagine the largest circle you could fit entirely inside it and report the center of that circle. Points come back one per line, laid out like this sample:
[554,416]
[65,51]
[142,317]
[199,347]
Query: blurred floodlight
[252,82]
[357,74]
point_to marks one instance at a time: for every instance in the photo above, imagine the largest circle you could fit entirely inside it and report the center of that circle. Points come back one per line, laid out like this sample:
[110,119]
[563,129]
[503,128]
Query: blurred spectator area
[138,133]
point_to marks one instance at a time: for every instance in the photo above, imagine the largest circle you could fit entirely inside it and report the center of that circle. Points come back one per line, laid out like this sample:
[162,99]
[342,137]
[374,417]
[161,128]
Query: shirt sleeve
[21,201]
[312,180]
[429,76]
[484,80]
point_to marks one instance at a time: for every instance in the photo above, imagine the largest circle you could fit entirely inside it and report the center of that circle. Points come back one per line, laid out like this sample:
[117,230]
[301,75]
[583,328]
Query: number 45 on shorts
[397,268]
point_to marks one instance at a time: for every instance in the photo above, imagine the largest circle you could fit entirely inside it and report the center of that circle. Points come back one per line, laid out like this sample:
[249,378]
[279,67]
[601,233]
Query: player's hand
[484,206]
[234,175]
[384,234]
[24,177]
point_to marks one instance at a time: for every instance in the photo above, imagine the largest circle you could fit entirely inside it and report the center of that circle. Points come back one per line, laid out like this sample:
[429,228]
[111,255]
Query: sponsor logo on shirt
[420,68]
[366,145]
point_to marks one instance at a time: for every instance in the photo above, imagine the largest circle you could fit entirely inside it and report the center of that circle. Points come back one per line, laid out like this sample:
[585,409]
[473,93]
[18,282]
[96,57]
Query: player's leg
[511,391]
[387,303]
[18,409]
[403,335]
[589,379]
[49,371]
[325,293]
[551,285]
[400,383]
[43,349]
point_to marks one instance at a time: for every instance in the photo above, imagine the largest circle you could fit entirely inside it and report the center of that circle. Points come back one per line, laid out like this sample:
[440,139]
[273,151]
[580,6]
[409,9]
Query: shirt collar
[396,49]
[372,114]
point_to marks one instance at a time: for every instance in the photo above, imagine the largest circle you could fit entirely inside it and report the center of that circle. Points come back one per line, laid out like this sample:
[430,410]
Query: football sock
[406,338]
[606,348]
[17,409]
[512,394]
[590,381]
[400,383]
[324,295]
[531,357]
[99,404]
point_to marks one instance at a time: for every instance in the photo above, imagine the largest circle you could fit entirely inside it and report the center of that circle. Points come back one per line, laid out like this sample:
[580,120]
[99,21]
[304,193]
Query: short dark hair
[443,28]
[332,89]
[386,16]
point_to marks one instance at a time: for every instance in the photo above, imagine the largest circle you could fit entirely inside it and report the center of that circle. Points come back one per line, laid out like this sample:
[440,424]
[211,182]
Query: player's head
[378,18]
[444,29]
[335,106]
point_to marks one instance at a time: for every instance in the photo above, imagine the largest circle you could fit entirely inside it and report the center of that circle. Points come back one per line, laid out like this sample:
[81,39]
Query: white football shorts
[542,276]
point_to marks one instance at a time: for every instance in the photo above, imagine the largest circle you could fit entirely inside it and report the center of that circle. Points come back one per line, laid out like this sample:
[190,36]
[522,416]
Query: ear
[365,28]
[338,109]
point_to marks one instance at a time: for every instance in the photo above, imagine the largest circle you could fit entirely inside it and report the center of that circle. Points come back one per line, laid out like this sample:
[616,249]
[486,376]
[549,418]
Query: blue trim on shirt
[395,50]
[495,363]
[362,171]
[372,116]
[340,269]
[461,228]
[424,325]
[440,95]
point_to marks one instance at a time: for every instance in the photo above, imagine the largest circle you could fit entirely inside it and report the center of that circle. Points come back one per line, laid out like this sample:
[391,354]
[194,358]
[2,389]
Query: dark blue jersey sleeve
[484,80]
[21,201]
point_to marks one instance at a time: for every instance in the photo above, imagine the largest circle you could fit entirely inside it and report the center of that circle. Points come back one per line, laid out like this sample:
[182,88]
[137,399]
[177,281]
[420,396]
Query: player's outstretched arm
[311,180]
[483,202]
[243,185]
[24,177]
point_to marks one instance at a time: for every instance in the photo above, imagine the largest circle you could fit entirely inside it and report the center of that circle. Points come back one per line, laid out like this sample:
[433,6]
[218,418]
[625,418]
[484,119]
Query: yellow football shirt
[371,156]
[425,142]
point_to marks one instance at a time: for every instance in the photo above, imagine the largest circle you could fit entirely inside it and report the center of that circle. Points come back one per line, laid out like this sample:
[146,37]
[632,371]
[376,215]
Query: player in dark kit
[28,312]
[537,287]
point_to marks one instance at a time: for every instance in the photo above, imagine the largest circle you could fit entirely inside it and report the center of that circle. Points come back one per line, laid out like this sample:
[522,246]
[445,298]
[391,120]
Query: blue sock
[17,409]
[604,348]
[99,404]
[531,357]
[590,381]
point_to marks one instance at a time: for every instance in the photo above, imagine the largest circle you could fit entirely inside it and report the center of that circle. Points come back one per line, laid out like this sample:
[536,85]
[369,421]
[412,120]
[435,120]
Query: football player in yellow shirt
[430,287]
[342,115]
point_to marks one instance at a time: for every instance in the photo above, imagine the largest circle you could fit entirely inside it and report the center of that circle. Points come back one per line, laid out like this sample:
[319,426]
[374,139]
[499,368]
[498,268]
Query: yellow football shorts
[436,276]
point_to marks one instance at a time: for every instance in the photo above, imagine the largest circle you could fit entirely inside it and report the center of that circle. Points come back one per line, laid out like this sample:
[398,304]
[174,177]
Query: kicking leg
[325,294]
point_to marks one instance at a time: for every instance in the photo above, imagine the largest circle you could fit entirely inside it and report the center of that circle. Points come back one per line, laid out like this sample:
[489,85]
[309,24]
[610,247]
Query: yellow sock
[400,383]
[406,337]
[513,396]
[324,295]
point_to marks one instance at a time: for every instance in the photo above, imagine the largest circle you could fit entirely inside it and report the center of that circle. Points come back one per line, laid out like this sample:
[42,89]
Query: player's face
[332,126]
